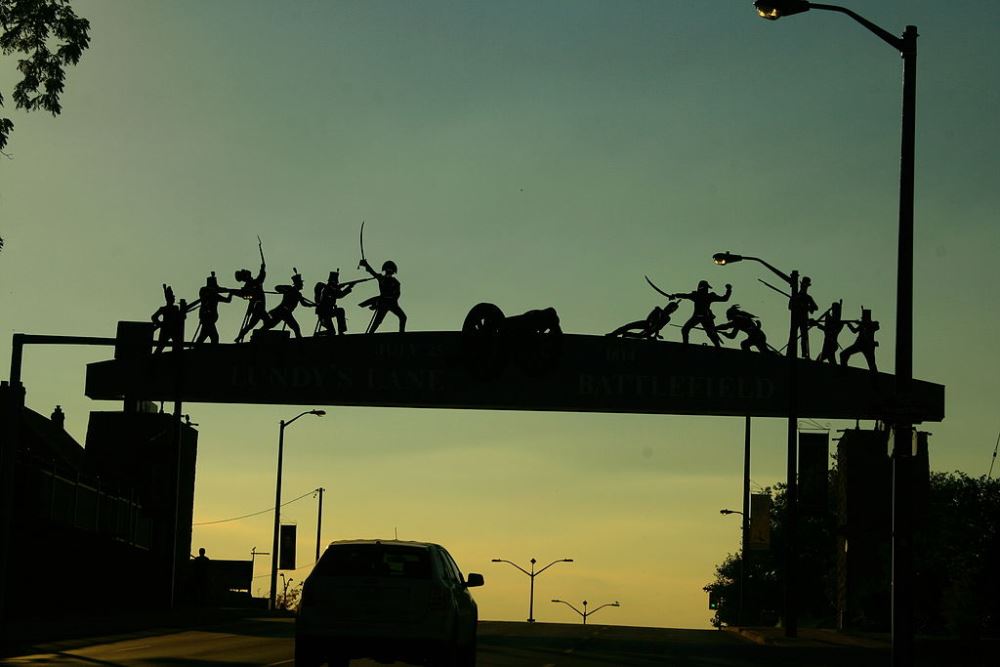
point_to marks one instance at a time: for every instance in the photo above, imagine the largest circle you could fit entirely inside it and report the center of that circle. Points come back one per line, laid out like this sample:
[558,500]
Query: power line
[247,516]
[300,567]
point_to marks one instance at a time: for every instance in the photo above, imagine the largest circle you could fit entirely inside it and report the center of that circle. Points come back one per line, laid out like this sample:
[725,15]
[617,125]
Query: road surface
[267,642]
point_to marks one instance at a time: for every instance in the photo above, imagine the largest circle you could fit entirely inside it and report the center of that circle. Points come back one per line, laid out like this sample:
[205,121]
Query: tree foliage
[46,36]
[956,563]
[763,595]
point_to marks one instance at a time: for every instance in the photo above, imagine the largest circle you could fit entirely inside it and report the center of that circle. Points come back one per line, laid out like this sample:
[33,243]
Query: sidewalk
[813,637]
[74,631]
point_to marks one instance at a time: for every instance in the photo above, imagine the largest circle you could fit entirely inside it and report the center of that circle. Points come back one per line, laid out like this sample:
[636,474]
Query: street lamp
[775,9]
[792,488]
[277,502]
[586,613]
[902,454]
[745,526]
[532,574]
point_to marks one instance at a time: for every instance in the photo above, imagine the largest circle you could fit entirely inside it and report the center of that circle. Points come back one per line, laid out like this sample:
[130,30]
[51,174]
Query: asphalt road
[268,642]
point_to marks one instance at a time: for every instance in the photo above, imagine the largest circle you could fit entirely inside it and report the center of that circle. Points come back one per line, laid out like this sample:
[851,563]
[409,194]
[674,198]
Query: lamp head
[723,258]
[772,10]
[725,511]
[496,560]
[318,413]
[567,560]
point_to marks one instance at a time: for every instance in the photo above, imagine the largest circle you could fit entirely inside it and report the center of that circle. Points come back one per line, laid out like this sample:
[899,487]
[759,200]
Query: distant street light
[744,524]
[532,574]
[586,613]
[277,502]
[902,454]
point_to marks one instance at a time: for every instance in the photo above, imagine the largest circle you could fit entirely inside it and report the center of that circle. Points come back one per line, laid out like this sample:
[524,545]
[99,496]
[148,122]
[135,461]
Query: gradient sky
[528,154]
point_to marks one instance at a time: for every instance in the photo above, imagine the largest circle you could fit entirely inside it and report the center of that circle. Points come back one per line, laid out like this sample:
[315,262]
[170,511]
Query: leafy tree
[957,554]
[49,36]
[956,562]
[763,593]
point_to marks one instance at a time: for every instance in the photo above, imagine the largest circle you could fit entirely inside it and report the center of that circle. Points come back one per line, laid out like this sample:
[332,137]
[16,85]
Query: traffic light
[714,600]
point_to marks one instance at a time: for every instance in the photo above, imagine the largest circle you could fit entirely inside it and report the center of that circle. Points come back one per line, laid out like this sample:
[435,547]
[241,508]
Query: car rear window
[375,560]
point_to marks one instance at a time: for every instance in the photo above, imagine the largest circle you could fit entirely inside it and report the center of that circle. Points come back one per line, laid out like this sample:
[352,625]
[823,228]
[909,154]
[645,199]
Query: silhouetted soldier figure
[802,306]
[291,296]
[208,301]
[865,342]
[649,327]
[703,300]
[743,322]
[253,291]
[169,319]
[327,309]
[831,324]
[387,300]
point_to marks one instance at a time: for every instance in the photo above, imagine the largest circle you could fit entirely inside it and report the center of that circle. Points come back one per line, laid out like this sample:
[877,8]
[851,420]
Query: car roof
[403,543]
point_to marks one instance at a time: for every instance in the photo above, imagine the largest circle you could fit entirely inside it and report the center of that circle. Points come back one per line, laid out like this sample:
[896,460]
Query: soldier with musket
[209,298]
[169,319]
[865,342]
[326,296]
[831,324]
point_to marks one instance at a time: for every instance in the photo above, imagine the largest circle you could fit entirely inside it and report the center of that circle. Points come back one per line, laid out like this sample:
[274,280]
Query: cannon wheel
[484,318]
[484,351]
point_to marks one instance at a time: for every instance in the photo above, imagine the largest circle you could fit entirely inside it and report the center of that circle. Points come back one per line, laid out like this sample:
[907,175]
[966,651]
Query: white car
[387,600]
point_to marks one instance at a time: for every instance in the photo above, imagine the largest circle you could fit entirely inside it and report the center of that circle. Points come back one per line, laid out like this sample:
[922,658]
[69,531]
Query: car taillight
[439,598]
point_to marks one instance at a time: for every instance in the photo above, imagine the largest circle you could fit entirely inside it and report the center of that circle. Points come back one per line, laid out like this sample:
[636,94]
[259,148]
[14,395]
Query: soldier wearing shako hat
[169,319]
[865,343]
[387,300]
[291,296]
[326,296]
[831,324]
[802,306]
[208,301]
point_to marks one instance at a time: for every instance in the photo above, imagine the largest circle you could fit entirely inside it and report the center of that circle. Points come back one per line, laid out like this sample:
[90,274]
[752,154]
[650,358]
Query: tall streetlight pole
[319,521]
[792,485]
[902,451]
[743,560]
[532,574]
[586,613]
[277,502]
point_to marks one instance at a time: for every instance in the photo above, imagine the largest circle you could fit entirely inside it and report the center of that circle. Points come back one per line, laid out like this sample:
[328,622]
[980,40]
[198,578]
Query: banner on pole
[286,547]
[760,522]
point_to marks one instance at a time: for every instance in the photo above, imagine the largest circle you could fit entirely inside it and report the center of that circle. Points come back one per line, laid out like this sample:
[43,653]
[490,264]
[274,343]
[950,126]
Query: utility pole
[319,521]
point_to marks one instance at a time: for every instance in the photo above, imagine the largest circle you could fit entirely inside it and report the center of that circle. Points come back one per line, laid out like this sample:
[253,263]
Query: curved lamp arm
[502,560]
[883,34]
[318,413]
[596,609]
[571,607]
[723,258]
[559,560]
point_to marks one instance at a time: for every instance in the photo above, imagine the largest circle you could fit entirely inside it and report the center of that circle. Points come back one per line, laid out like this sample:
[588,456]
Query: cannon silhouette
[492,341]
